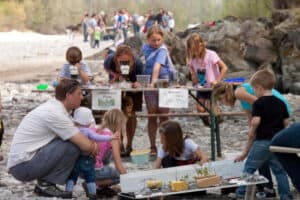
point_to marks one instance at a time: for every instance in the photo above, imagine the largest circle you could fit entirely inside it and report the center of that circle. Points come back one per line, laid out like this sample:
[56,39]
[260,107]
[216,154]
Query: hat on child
[83,116]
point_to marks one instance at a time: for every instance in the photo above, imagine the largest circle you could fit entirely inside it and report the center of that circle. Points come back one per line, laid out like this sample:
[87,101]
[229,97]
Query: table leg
[218,139]
[212,136]
[212,123]
[250,192]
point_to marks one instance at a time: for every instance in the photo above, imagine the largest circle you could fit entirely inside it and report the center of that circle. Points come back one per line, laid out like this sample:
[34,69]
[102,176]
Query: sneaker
[269,192]
[90,196]
[106,192]
[235,196]
[51,190]
[153,151]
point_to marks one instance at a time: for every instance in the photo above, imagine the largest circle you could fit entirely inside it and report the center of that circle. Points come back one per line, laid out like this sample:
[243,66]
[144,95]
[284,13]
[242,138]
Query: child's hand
[240,158]
[135,84]
[115,136]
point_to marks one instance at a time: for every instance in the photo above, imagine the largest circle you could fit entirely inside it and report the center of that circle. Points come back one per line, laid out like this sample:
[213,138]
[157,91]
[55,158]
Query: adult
[289,137]
[47,144]
[226,93]
[85,25]
[91,29]
[115,64]
[1,128]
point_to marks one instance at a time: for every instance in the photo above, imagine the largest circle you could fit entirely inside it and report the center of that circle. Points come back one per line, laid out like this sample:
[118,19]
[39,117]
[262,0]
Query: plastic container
[162,83]
[140,156]
[144,80]
[235,80]
[42,86]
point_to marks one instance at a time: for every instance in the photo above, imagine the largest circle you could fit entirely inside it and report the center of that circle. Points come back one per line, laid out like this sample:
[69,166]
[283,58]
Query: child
[206,69]
[175,149]
[113,121]
[269,116]
[85,164]
[75,68]
[158,65]
[225,93]
[97,36]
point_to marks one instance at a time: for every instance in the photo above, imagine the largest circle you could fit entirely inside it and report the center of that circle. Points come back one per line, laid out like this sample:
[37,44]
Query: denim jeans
[289,137]
[258,155]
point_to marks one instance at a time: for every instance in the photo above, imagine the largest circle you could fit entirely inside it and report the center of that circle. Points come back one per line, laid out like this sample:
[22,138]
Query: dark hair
[73,55]
[125,50]
[65,86]
[173,138]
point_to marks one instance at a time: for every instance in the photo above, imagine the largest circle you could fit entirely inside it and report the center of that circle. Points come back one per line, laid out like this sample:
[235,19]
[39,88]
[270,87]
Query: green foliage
[53,16]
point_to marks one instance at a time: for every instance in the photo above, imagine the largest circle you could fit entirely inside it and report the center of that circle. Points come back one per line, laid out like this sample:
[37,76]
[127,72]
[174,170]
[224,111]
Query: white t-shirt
[38,128]
[189,150]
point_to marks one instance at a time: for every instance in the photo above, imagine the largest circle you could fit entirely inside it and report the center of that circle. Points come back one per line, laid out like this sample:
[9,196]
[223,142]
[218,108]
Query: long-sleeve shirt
[89,133]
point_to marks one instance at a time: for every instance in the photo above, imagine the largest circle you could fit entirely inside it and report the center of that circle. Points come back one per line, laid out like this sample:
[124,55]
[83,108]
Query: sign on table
[106,99]
[173,98]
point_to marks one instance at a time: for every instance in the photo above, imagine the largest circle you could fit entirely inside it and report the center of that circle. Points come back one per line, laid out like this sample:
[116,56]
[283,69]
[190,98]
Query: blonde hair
[192,44]
[154,30]
[264,78]
[224,90]
[114,120]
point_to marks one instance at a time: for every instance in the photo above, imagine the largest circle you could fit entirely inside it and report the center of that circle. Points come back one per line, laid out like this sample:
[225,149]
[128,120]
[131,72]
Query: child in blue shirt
[85,164]
[158,66]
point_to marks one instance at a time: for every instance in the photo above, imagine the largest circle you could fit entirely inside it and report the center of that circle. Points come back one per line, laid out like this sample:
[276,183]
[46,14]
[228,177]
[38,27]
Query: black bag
[1,130]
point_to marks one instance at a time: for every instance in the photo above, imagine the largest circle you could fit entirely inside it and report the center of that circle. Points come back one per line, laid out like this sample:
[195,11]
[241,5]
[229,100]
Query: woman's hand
[135,84]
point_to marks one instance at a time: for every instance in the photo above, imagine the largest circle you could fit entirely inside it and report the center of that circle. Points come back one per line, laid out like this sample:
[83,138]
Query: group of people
[53,148]
[93,27]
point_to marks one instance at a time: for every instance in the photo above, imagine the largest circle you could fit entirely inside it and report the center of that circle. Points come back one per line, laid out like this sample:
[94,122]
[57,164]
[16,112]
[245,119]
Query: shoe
[205,121]
[235,196]
[125,152]
[153,151]
[266,193]
[90,196]
[51,190]
[106,192]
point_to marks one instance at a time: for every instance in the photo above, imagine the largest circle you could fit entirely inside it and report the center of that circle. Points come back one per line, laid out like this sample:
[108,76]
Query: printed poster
[105,99]
[173,98]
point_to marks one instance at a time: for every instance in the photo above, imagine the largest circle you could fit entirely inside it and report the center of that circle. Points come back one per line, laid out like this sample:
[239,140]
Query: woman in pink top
[206,69]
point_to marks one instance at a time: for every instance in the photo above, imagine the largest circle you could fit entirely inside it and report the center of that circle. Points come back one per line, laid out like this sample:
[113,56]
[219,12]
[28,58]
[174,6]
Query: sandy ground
[28,55]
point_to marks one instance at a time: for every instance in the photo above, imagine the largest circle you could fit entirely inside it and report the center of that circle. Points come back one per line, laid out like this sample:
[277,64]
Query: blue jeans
[289,137]
[108,173]
[258,155]
[85,167]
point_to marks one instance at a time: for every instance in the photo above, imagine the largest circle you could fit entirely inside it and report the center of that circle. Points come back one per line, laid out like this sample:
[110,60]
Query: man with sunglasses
[46,144]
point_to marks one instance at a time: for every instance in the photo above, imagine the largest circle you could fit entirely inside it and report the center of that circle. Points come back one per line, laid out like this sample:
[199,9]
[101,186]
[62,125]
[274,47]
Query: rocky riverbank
[18,100]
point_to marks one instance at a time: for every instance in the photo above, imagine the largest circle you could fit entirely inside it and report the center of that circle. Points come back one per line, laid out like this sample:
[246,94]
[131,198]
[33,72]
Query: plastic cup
[144,80]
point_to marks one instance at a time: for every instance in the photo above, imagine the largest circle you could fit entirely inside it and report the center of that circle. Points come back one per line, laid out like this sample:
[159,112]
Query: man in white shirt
[47,143]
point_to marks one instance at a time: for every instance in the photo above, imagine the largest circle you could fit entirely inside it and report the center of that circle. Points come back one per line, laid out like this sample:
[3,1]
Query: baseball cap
[83,116]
